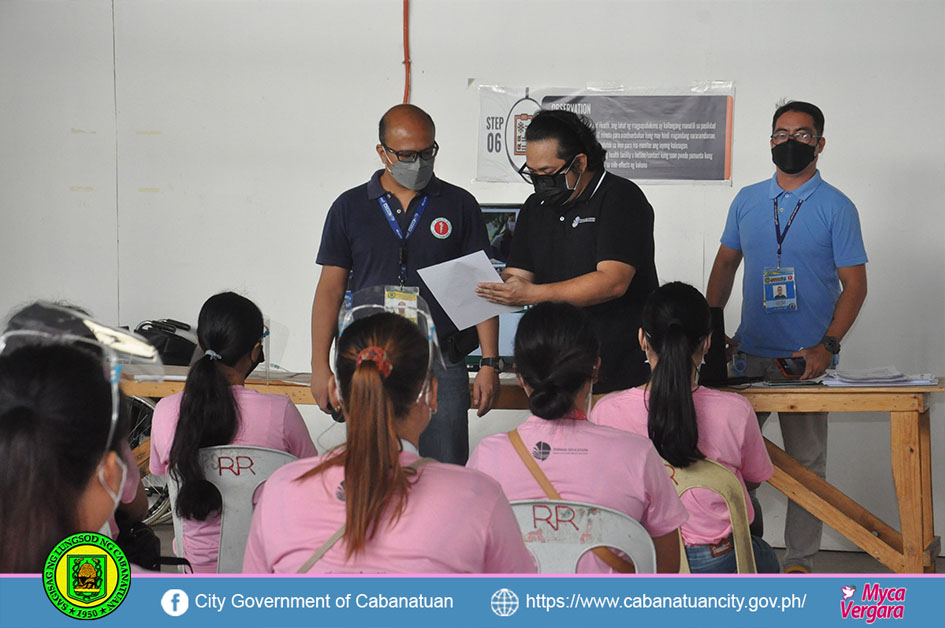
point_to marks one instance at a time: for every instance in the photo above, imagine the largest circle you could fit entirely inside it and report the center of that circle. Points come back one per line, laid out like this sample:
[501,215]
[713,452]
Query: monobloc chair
[558,533]
[236,471]
[711,475]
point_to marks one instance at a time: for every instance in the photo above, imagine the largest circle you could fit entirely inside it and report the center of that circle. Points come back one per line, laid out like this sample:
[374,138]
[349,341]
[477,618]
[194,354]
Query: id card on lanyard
[385,206]
[779,284]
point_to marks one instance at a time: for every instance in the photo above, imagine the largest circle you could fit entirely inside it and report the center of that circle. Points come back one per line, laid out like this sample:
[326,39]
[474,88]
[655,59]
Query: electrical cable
[406,51]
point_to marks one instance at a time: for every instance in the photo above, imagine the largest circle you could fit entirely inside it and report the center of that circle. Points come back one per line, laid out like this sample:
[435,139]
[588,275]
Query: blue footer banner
[807,601]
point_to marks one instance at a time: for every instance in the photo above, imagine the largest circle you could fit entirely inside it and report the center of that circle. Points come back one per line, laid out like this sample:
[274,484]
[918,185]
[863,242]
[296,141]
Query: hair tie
[379,357]
[213,355]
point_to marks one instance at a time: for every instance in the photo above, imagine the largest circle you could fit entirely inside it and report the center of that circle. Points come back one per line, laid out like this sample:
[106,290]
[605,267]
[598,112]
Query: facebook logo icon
[175,602]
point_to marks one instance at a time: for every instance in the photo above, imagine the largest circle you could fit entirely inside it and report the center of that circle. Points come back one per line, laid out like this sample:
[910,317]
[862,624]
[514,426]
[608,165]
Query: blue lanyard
[418,213]
[777,226]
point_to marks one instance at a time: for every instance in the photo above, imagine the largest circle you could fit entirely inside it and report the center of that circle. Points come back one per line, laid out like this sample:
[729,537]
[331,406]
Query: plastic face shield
[117,349]
[396,300]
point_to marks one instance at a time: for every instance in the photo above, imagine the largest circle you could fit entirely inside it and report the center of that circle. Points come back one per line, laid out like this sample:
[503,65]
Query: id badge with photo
[780,290]
[402,300]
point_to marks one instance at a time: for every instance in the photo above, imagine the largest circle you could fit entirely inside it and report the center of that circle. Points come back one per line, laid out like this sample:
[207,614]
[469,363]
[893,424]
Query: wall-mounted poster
[669,136]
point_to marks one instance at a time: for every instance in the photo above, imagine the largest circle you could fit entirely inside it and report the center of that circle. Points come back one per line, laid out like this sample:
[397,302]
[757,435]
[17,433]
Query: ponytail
[556,352]
[676,319]
[228,328]
[377,391]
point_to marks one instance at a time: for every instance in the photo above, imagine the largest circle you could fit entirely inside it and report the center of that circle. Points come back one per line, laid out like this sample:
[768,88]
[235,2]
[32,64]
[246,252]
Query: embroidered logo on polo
[541,451]
[441,228]
[340,491]
[580,221]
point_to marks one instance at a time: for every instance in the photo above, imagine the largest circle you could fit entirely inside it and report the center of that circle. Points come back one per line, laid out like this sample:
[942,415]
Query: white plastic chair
[711,475]
[558,533]
[236,471]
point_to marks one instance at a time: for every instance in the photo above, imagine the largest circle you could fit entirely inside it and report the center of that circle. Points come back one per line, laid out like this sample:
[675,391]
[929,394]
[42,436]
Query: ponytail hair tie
[379,357]
[213,355]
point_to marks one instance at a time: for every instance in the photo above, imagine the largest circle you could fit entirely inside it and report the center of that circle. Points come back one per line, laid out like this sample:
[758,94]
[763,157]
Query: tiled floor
[826,562]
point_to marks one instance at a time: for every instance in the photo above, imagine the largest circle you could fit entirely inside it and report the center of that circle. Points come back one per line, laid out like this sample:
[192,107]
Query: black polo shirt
[611,220]
[358,237]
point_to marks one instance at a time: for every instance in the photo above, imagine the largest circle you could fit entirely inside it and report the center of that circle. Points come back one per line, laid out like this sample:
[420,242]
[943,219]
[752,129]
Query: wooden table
[913,550]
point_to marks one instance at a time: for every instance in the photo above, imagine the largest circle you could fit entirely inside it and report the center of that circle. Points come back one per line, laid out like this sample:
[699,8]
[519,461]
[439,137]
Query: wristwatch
[831,344]
[497,363]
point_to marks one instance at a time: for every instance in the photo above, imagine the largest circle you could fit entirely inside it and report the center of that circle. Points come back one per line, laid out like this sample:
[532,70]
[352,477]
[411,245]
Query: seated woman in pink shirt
[556,355]
[216,409]
[687,422]
[373,505]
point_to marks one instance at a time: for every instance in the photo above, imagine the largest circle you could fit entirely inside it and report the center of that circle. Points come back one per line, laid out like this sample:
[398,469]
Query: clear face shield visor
[396,300]
[118,350]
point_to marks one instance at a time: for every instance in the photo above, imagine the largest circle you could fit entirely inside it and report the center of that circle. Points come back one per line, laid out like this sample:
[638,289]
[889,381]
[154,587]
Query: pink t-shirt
[270,421]
[728,434]
[455,521]
[586,463]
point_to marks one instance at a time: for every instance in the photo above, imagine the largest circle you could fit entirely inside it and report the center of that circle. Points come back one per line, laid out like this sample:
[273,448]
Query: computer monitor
[500,224]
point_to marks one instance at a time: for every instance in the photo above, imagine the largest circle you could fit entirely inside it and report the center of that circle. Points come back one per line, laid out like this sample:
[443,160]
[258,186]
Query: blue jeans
[446,439]
[701,559]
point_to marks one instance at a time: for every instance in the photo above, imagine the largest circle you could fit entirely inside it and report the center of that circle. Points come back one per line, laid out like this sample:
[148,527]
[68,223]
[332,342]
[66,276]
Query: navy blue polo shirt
[358,237]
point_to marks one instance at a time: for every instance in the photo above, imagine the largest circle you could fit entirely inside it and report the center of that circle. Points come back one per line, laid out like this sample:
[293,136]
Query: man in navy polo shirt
[803,286]
[381,233]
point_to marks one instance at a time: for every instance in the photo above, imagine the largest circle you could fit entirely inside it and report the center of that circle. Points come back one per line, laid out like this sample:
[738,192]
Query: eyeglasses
[804,137]
[532,178]
[111,368]
[410,156]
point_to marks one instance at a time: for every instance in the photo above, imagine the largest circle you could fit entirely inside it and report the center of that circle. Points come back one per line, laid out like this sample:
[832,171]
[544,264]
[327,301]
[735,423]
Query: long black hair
[229,325]
[55,413]
[375,400]
[556,351]
[676,319]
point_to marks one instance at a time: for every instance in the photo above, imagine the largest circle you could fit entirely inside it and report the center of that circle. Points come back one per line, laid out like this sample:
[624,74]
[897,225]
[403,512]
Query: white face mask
[116,497]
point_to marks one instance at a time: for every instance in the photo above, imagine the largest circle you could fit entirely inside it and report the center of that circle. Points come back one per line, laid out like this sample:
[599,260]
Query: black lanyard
[777,226]
[418,213]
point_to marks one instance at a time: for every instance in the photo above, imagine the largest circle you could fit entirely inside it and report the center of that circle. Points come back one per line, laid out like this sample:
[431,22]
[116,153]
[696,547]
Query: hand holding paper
[453,283]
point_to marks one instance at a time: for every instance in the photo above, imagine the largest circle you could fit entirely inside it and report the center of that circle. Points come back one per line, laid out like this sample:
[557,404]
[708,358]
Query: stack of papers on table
[879,376]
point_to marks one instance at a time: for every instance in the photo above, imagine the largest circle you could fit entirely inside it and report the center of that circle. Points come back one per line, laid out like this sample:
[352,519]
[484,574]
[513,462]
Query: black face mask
[792,156]
[553,188]
[257,362]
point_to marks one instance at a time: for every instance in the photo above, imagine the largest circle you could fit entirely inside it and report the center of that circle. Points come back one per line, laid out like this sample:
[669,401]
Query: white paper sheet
[453,283]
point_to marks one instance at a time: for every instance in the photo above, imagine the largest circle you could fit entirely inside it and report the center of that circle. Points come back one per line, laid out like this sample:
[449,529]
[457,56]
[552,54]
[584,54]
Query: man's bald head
[403,115]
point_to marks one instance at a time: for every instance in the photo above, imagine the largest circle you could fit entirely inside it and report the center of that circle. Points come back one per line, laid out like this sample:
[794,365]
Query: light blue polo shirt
[824,236]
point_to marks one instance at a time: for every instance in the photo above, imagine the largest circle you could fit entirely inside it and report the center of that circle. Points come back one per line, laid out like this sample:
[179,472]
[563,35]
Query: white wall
[237,123]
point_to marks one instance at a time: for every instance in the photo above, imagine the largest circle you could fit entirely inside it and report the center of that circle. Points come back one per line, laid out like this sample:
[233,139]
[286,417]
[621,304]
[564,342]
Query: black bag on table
[173,340]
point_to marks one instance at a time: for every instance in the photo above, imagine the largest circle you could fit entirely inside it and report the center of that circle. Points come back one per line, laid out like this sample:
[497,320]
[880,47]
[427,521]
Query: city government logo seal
[86,576]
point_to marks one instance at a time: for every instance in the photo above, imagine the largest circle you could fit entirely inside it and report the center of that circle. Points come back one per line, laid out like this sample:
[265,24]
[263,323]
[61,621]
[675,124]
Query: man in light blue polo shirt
[803,286]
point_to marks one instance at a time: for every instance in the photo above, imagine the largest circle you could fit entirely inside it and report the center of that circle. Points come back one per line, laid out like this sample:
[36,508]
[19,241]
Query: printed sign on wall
[658,137]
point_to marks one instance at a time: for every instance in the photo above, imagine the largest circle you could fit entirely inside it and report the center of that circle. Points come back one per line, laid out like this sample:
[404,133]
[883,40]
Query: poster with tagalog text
[669,136]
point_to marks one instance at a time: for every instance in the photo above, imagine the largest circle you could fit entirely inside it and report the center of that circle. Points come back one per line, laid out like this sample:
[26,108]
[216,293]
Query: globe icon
[504,603]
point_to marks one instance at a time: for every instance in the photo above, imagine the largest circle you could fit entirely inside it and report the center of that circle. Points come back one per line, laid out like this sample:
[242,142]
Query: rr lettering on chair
[562,514]
[242,463]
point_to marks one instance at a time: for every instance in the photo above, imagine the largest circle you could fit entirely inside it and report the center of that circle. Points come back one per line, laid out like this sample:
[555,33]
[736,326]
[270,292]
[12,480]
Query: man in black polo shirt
[586,237]
[379,234]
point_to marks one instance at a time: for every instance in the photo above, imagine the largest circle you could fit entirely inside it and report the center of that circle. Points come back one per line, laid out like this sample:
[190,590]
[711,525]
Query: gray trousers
[805,439]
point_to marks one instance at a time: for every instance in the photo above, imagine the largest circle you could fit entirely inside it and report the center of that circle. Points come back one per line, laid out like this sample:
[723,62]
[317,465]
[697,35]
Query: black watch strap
[831,344]
[497,363]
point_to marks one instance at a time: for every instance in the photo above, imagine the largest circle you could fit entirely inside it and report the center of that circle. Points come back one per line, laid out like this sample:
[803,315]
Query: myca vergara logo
[86,576]
[875,602]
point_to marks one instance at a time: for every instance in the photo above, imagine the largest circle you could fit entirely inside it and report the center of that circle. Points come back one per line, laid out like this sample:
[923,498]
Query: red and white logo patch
[441,228]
